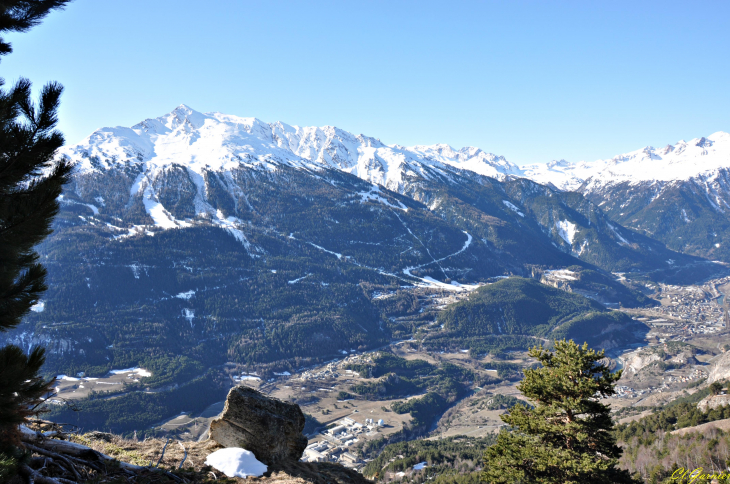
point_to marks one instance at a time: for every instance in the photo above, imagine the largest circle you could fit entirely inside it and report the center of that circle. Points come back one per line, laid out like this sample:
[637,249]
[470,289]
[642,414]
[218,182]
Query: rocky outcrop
[639,359]
[720,369]
[713,401]
[266,426]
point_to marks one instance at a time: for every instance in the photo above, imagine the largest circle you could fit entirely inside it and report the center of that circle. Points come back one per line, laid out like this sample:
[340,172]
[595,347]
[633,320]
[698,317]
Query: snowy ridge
[222,142]
[680,162]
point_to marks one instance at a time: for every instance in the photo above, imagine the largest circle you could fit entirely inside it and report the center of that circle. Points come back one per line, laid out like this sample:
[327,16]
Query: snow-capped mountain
[218,141]
[679,194]
[680,162]
[186,166]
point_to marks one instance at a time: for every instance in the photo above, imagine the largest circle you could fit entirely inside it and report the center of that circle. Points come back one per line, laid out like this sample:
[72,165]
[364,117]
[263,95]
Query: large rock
[266,426]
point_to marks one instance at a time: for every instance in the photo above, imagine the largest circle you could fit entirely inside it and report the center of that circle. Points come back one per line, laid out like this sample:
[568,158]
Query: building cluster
[327,372]
[337,440]
[333,369]
[695,375]
[623,391]
[694,303]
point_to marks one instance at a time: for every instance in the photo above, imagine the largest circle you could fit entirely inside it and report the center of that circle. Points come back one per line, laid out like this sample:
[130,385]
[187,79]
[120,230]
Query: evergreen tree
[567,437]
[30,183]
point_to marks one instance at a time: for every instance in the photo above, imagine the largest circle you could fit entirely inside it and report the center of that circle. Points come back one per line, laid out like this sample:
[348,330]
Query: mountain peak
[220,141]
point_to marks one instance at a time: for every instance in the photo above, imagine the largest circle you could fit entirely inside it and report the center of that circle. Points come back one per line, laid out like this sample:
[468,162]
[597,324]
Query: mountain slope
[679,195]
[517,306]
[229,239]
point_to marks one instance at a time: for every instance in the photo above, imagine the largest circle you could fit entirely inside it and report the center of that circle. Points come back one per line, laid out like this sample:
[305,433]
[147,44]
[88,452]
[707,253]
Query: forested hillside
[517,312]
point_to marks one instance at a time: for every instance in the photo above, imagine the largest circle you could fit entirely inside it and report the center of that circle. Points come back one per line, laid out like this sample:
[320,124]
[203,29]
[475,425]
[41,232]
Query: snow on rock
[566,230]
[236,462]
[38,307]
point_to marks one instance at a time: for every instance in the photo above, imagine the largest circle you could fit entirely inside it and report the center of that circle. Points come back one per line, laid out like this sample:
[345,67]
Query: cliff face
[720,369]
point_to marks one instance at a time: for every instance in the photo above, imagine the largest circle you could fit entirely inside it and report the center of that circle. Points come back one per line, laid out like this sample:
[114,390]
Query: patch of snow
[685,217]
[617,234]
[283,373]
[231,225]
[38,307]
[562,274]
[294,281]
[222,143]
[67,378]
[66,201]
[236,462]
[189,314]
[136,370]
[161,217]
[374,195]
[186,295]
[433,282]
[246,377]
[339,256]
[513,207]
[566,230]
[420,466]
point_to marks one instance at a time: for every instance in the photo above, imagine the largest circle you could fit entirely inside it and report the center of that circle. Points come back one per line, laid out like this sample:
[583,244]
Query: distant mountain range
[183,165]
[229,239]
[679,194]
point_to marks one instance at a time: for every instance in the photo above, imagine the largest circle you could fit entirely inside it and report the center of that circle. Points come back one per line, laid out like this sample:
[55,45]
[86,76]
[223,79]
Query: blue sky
[532,81]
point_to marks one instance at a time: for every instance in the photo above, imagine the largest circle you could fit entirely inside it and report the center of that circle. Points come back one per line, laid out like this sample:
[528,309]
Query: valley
[498,265]
[360,395]
[391,292]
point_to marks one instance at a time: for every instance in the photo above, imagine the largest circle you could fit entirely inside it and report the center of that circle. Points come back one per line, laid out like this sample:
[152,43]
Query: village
[336,441]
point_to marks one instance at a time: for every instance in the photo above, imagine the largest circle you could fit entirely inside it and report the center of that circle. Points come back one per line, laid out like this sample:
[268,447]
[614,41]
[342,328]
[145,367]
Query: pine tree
[567,437]
[30,183]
